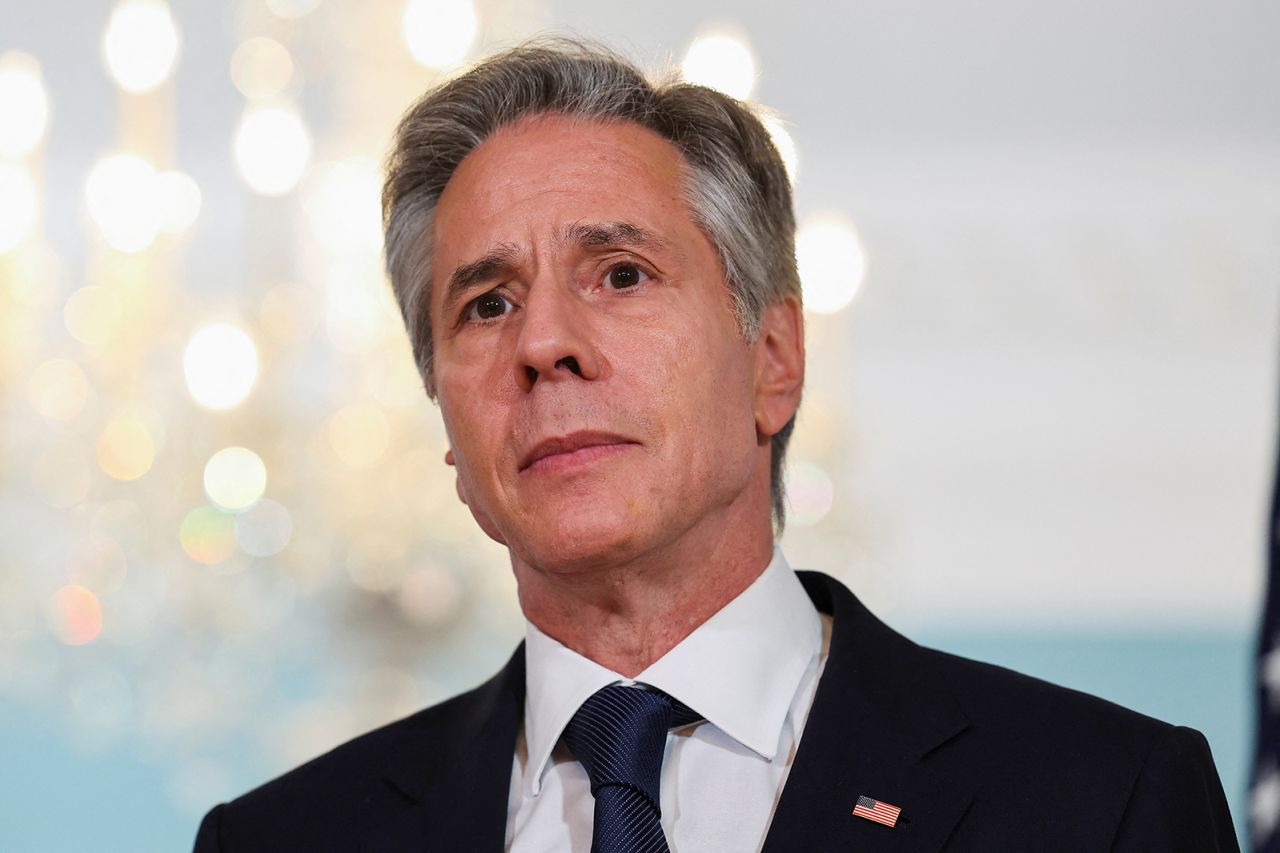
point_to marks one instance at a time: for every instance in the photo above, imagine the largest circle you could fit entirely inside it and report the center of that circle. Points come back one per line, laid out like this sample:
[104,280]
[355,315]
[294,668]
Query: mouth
[573,449]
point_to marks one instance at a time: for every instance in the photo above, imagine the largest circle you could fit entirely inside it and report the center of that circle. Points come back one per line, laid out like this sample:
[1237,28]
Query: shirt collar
[557,681]
[740,670]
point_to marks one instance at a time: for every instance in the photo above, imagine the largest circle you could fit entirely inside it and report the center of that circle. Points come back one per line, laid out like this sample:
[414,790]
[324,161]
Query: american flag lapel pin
[877,811]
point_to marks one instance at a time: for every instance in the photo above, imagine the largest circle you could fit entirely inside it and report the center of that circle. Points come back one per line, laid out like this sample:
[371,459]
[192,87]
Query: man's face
[599,399]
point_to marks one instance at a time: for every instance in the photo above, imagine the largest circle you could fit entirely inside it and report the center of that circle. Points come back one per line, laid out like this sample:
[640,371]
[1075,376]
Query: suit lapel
[456,798]
[878,712]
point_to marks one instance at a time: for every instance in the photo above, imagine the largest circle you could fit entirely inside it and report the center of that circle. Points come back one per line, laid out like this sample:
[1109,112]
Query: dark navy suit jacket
[978,758]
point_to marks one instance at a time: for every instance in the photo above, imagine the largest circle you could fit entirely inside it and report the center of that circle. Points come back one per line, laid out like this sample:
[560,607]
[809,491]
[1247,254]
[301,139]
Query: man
[598,277]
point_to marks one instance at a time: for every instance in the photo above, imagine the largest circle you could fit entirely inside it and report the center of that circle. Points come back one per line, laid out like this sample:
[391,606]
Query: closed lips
[569,444]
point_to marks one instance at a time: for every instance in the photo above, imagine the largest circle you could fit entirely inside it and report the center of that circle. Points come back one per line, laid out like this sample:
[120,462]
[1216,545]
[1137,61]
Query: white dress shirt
[751,671]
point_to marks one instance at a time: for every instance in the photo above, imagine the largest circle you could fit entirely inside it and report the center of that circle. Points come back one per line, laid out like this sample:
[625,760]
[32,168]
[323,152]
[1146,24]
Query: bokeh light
[358,434]
[141,44]
[261,68]
[723,62]
[75,615]
[208,535]
[292,8]
[343,205]
[289,312]
[810,493]
[830,260]
[429,596]
[126,449]
[235,478]
[272,148]
[99,564]
[134,610]
[61,473]
[122,521]
[92,315]
[784,143]
[124,201]
[440,32]
[38,275]
[58,389]
[375,561]
[178,197]
[24,103]
[264,529]
[360,311]
[394,380]
[221,365]
[19,203]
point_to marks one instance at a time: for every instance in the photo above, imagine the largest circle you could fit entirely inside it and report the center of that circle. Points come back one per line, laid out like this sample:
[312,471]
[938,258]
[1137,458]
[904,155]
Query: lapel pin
[877,811]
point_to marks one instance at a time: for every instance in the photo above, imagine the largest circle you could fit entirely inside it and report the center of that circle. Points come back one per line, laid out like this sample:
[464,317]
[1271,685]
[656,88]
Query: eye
[488,306]
[622,276]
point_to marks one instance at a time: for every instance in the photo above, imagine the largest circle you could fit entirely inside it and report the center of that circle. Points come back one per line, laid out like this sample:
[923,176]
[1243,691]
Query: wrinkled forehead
[534,178]
[555,151]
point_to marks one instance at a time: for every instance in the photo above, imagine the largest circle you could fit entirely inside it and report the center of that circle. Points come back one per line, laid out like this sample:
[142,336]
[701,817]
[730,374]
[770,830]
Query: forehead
[548,171]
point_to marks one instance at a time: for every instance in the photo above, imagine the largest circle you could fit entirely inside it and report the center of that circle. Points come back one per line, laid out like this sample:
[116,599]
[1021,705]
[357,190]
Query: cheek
[475,364]
[474,374]
[706,390]
[465,419]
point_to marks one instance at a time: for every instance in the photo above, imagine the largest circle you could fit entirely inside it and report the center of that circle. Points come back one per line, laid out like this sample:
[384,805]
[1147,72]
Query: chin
[574,542]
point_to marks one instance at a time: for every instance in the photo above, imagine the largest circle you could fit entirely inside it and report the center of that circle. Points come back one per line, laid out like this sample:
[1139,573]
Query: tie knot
[620,733]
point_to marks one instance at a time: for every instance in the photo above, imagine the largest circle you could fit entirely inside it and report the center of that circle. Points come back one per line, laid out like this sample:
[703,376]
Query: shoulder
[1049,754]
[1020,715]
[1026,734]
[361,762]
[355,786]
[1035,759]
[1029,710]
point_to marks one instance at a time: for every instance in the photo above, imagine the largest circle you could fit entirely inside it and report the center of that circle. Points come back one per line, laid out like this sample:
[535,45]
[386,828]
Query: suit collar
[879,711]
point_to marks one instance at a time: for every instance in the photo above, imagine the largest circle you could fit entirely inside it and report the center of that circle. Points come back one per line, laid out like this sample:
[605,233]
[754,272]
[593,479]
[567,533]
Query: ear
[457,478]
[779,356]
[486,523]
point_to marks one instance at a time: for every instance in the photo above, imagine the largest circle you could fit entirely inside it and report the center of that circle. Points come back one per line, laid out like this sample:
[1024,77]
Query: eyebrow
[611,234]
[502,260]
[497,262]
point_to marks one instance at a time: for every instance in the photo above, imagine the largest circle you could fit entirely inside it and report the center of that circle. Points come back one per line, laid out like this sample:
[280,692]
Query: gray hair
[737,188]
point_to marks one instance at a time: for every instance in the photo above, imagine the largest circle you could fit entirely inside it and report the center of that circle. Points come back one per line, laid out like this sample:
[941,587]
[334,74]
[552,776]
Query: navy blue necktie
[619,736]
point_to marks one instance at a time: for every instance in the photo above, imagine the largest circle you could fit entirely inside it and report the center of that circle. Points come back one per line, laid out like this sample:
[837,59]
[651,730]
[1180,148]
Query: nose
[556,342]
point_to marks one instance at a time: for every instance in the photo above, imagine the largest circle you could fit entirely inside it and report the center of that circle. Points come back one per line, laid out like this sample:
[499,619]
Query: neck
[624,616]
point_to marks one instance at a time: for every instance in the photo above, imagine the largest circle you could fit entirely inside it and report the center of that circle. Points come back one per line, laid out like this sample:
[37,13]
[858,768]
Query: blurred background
[1040,247]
